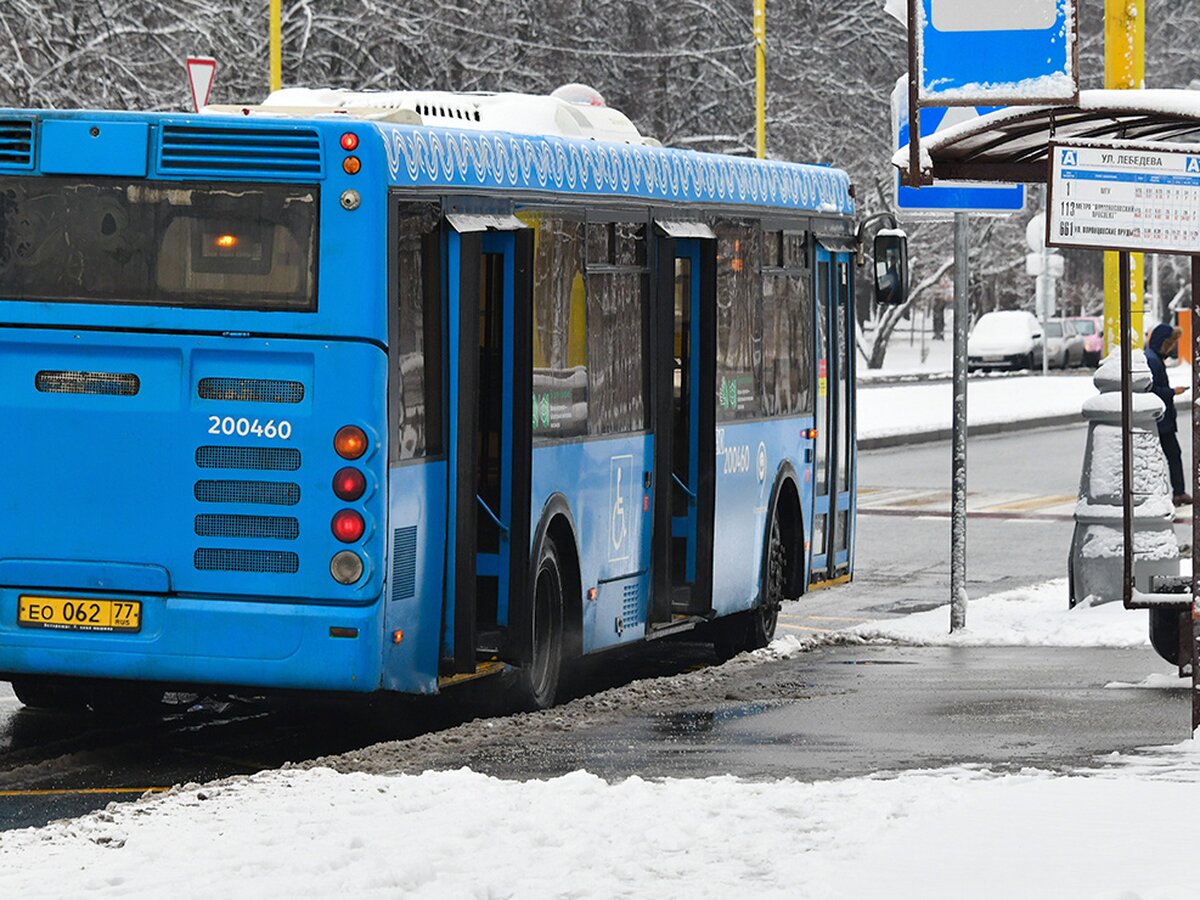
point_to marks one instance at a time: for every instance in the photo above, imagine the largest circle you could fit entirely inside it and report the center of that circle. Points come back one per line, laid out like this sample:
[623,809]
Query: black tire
[755,628]
[539,684]
[40,692]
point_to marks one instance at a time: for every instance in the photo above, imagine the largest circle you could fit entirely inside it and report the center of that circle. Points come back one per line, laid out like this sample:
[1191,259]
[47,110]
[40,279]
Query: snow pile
[460,834]
[1036,616]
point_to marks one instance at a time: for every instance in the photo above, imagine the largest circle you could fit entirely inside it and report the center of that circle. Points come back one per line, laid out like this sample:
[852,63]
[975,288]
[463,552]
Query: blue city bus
[380,393]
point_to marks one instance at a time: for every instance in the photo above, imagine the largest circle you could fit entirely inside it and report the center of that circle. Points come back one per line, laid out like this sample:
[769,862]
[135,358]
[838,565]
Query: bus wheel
[538,683]
[755,628]
[48,693]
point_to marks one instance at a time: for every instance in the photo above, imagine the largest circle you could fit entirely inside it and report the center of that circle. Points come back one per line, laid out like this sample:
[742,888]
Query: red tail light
[349,483]
[348,526]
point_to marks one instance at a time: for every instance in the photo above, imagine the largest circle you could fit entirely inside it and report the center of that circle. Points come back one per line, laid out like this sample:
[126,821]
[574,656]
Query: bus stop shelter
[1013,145]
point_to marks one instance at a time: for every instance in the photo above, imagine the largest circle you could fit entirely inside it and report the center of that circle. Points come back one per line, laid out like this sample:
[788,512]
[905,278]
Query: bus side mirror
[891,267]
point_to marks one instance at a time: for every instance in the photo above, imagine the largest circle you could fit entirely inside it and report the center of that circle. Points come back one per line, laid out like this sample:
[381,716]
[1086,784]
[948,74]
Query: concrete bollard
[1096,548]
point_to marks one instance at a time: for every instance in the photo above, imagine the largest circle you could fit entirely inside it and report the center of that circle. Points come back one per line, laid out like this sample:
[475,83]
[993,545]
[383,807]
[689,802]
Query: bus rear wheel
[539,683]
[755,628]
[40,692]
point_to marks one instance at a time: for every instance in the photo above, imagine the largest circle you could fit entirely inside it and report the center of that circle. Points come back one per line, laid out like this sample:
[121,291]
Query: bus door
[490,433]
[684,422]
[833,513]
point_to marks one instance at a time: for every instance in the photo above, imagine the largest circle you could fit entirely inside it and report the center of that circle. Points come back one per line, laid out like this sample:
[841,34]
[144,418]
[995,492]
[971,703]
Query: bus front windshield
[228,246]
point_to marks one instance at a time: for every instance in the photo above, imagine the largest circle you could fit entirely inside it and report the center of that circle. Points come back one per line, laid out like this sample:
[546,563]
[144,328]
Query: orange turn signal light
[351,165]
[350,442]
[811,434]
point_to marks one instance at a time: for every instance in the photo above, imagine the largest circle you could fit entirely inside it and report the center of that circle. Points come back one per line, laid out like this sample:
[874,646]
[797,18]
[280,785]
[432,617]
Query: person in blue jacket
[1163,341]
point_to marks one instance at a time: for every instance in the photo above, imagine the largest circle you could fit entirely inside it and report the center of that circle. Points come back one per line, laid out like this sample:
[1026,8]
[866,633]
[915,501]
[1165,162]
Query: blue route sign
[945,197]
[1008,52]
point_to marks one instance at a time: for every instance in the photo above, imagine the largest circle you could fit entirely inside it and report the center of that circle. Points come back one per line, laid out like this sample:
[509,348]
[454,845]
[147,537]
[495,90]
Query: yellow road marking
[789,627]
[1030,503]
[49,792]
[836,619]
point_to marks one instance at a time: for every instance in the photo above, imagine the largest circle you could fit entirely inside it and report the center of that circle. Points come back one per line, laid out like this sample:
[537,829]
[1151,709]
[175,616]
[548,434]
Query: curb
[945,434]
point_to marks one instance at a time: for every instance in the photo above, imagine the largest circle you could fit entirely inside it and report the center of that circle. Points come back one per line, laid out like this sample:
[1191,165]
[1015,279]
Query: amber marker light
[350,442]
[351,165]
[226,241]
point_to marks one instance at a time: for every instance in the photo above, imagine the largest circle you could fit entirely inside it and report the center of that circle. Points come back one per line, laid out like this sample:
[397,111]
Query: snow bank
[915,408]
[1036,616]
[945,833]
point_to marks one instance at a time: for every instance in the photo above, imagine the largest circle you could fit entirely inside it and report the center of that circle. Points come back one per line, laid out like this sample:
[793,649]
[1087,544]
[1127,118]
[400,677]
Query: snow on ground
[1105,832]
[914,408]
[1156,681]
[1035,616]
[920,407]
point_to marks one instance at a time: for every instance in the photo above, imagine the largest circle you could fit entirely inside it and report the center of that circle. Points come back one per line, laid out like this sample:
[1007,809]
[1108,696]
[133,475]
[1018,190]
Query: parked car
[1009,339]
[1064,347]
[1091,329]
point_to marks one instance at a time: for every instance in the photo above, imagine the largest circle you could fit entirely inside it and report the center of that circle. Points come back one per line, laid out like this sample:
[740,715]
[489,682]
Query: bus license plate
[76,614]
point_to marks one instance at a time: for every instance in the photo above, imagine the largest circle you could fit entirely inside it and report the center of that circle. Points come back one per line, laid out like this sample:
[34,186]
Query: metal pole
[958,469]
[760,75]
[1126,432]
[276,46]
[1044,282]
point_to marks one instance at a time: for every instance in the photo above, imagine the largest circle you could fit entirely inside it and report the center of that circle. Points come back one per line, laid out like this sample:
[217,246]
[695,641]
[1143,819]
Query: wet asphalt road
[835,711]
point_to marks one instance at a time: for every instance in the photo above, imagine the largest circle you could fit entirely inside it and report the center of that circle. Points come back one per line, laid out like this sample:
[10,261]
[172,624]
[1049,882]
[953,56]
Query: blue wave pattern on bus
[430,157]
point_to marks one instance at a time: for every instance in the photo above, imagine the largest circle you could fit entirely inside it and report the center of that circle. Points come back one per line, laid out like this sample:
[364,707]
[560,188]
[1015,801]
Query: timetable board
[1124,196]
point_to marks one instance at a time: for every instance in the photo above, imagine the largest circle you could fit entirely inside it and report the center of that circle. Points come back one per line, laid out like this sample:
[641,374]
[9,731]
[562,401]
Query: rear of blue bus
[193,382]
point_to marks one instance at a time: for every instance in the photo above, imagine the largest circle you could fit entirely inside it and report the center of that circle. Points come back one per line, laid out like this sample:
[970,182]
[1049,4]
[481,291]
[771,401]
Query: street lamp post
[760,75]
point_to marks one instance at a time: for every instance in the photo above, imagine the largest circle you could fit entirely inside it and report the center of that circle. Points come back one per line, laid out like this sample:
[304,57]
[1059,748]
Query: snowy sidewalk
[1096,830]
[915,413]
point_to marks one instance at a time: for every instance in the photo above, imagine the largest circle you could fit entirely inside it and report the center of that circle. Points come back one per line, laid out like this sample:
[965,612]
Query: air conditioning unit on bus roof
[572,111]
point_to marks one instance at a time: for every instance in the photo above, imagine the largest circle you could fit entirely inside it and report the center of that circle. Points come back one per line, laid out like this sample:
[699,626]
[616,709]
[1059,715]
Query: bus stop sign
[1019,52]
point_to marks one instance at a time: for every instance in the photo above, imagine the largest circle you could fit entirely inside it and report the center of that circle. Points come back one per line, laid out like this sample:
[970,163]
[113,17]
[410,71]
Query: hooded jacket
[1161,387]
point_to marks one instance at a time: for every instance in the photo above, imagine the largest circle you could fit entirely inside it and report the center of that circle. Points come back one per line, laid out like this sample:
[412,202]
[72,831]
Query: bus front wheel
[755,628]
[539,682]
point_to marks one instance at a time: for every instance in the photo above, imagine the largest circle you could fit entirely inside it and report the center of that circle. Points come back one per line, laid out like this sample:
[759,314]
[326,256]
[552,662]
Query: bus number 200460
[272,430]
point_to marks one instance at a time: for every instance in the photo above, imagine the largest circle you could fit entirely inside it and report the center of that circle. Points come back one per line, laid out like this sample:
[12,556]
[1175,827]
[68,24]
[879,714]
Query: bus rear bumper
[187,641]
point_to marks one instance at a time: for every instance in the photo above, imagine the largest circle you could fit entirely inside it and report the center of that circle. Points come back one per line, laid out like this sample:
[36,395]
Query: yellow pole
[276,46]
[1124,68]
[760,75]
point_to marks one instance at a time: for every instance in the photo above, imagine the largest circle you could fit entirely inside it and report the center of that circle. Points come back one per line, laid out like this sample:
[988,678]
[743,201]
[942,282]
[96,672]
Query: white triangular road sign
[201,72]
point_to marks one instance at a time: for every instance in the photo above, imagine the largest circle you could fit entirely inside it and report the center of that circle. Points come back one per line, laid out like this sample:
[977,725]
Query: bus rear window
[226,246]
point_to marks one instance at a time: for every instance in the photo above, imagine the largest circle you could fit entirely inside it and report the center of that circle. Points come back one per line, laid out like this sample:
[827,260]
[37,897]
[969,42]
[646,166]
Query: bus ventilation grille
[404,563]
[112,384]
[16,143]
[631,606]
[267,152]
[210,559]
[255,390]
[274,493]
[269,459]
[279,528]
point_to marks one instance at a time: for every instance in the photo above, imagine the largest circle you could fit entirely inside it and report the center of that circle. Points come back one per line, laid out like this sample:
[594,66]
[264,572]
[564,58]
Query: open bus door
[490,379]
[684,428]
[833,513]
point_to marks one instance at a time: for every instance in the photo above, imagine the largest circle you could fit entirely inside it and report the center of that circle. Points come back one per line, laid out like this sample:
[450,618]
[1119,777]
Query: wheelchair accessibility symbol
[620,505]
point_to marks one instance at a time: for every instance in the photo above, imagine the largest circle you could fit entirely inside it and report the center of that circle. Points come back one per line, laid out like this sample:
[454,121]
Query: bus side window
[560,351]
[739,320]
[617,298]
[787,328]
[417,382]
